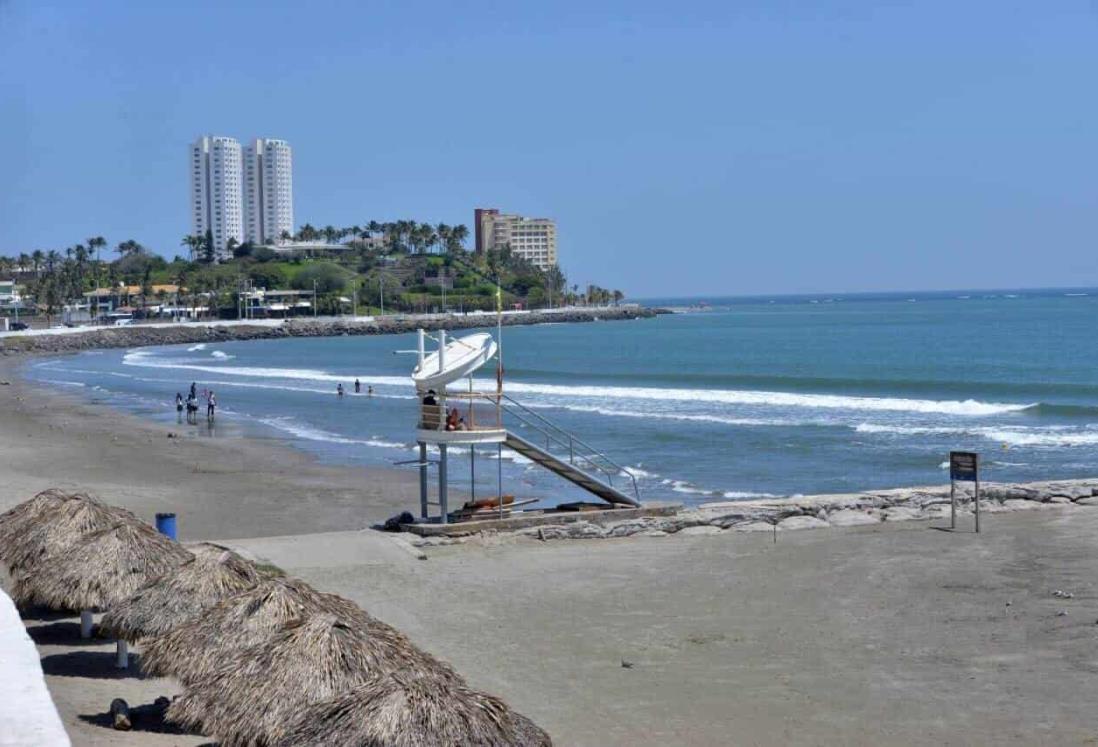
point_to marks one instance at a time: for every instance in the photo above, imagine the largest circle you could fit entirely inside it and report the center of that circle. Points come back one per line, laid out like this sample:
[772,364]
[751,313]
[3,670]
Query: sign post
[964,466]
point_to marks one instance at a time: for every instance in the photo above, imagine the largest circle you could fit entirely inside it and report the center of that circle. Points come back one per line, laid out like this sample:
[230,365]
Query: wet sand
[896,633]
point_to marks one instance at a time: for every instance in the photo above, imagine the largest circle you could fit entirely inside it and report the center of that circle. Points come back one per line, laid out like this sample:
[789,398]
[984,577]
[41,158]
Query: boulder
[901,513]
[753,526]
[850,518]
[802,522]
[700,530]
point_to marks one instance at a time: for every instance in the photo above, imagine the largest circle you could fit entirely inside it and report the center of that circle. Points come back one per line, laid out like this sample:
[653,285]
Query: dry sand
[889,634]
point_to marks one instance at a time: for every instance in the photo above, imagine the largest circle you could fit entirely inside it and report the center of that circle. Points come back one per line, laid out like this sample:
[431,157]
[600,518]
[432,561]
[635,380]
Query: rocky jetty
[822,511]
[71,341]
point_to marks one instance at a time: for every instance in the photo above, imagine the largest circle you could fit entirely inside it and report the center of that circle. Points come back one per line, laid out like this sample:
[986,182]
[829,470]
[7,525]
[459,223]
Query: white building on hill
[268,190]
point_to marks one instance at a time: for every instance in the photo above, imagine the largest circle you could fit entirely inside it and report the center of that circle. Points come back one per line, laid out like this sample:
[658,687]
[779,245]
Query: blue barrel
[165,524]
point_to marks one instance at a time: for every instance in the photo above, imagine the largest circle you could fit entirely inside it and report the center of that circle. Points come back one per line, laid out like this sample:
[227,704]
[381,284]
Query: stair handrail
[572,439]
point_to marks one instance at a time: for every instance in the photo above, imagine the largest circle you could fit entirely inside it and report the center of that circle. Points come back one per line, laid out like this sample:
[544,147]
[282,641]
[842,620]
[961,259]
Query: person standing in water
[370,391]
[194,391]
[179,405]
[358,386]
[211,405]
[339,389]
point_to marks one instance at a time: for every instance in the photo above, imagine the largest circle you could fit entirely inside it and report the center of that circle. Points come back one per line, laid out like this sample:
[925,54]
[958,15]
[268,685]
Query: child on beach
[211,405]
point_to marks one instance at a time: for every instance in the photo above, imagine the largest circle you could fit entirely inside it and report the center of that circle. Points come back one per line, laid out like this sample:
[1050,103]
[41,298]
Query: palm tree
[458,234]
[37,258]
[194,243]
[285,236]
[52,258]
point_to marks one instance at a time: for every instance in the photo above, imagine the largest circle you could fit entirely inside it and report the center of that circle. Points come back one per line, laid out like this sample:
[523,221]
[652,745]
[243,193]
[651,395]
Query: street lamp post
[314,299]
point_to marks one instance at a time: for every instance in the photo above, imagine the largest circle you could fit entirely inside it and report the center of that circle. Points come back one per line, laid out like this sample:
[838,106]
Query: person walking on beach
[339,389]
[192,409]
[194,391]
[358,386]
[179,404]
[211,405]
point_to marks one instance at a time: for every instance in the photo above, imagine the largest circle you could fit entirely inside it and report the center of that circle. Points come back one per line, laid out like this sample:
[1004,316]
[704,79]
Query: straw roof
[246,619]
[18,519]
[52,523]
[101,569]
[402,709]
[181,594]
[254,693]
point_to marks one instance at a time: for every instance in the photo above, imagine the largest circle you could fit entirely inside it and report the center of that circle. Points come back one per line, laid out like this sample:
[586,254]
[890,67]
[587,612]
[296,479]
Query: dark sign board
[964,465]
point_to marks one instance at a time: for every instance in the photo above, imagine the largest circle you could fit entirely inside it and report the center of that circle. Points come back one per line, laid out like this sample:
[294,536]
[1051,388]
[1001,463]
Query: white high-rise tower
[216,200]
[268,190]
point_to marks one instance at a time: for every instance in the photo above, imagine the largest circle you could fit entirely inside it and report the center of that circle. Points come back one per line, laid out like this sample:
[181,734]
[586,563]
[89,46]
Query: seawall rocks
[823,511]
[194,332]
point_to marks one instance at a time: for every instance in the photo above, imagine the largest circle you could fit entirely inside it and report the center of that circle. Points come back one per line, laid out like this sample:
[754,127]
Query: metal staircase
[567,456]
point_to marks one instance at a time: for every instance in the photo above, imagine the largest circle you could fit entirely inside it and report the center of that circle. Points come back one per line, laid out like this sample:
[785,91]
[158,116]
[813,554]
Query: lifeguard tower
[452,412]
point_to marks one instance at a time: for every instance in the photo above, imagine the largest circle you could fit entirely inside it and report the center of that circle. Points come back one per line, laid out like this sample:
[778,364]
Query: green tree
[330,278]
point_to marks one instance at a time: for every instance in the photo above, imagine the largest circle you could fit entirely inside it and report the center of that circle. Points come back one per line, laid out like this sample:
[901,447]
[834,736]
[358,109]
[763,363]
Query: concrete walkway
[27,714]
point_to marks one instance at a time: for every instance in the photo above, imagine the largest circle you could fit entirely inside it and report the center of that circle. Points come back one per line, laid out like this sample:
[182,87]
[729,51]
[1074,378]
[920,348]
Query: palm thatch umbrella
[50,523]
[246,619]
[254,693]
[101,569]
[181,594]
[403,709]
[19,519]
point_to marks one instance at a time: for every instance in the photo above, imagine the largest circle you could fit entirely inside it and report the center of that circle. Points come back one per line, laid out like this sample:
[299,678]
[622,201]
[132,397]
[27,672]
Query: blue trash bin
[165,524]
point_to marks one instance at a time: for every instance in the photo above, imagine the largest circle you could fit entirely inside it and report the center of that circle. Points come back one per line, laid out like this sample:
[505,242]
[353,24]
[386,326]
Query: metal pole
[122,655]
[473,471]
[442,482]
[422,480]
[976,498]
[314,299]
[381,285]
[952,504]
[499,476]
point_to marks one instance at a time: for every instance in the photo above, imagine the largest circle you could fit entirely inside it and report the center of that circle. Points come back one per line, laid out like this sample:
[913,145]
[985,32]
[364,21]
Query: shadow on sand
[61,634]
[148,717]
[94,664]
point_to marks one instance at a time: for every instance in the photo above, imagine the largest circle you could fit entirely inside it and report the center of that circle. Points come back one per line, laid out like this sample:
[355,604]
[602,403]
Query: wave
[968,407]
[221,355]
[1053,435]
[199,346]
[774,399]
[309,433]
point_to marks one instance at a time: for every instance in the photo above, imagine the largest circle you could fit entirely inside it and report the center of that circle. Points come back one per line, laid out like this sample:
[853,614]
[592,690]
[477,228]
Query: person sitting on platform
[454,421]
[430,398]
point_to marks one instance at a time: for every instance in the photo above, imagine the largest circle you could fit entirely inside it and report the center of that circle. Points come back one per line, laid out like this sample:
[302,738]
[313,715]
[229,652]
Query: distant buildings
[268,190]
[534,239]
[240,194]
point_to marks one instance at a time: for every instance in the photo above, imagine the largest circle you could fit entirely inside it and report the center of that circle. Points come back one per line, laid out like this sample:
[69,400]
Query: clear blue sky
[683,148]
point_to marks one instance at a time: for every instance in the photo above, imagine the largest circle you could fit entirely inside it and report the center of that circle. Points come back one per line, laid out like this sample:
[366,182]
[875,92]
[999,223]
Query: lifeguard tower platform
[452,412]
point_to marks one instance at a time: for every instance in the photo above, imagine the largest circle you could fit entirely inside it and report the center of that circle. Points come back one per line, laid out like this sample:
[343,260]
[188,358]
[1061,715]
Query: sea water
[740,398]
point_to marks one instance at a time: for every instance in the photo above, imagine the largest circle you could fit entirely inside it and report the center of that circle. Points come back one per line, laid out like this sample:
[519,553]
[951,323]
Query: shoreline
[71,340]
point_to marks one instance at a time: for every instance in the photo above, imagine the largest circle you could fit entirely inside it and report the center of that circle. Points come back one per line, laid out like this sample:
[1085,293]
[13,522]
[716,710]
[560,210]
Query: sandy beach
[896,633]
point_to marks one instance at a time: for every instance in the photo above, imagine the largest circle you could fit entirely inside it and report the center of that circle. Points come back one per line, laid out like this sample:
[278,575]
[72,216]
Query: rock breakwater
[71,341]
[822,511]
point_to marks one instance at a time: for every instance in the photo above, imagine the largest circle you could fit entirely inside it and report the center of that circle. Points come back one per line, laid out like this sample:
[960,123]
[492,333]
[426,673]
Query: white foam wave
[309,433]
[718,396]
[1050,435]
[774,399]
[222,355]
[199,346]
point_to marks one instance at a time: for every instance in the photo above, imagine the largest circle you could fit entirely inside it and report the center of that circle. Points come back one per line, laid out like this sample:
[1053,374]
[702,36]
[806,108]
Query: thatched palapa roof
[254,693]
[181,594]
[402,709]
[51,523]
[19,519]
[240,621]
[101,569]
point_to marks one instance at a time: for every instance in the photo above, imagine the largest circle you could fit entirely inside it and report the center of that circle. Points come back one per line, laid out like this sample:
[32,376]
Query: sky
[687,148]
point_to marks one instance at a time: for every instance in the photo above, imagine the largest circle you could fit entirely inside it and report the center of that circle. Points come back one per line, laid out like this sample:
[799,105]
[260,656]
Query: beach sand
[896,633]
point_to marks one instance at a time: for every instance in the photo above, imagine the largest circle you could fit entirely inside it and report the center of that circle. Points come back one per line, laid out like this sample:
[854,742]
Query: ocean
[744,397]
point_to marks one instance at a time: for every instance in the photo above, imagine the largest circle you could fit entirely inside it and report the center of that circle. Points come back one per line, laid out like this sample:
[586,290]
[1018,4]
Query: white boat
[459,358]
